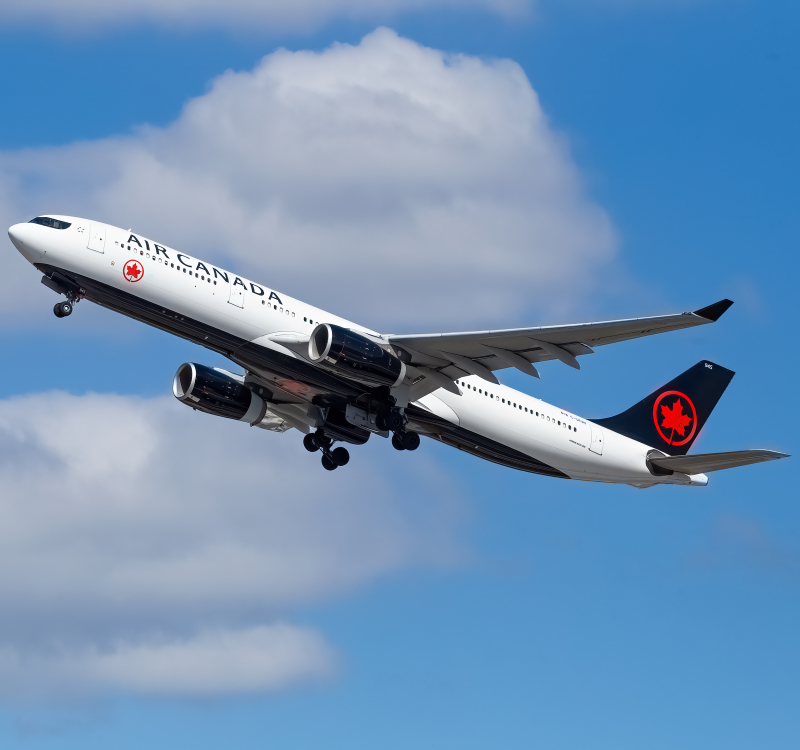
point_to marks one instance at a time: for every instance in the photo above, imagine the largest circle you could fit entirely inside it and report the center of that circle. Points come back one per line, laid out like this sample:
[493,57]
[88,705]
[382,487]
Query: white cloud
[388,182]
[213,662]
[263,14]
[148,547]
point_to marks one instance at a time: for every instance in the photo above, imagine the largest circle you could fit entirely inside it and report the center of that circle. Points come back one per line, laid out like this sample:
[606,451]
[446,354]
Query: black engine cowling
[217,392]
[352,355]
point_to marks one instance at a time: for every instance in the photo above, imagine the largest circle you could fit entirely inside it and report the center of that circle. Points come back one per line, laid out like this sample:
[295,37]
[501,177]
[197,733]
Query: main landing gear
[331,459]
[405,441]
[394,422]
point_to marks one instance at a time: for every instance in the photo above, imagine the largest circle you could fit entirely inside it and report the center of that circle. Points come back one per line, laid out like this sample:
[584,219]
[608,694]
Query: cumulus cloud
[263,14]
[388,182]
[150,548]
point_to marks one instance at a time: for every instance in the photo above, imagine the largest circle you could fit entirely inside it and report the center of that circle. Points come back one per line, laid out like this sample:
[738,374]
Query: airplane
[338,382]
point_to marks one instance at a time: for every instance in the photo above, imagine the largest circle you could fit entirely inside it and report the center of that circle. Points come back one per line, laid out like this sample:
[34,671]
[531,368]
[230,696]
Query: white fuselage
[251,311]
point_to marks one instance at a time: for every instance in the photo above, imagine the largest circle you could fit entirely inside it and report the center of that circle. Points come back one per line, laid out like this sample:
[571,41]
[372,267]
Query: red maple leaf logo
[132,269]
[675,419]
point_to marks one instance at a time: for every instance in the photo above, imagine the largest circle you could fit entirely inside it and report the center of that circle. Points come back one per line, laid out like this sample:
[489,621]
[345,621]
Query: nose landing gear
[331,459]
[62,309]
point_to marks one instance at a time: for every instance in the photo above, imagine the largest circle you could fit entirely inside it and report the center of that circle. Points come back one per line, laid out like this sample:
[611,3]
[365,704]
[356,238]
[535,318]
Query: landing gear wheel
[397,443]
[328,463]
[321,440]
[310,444]
[340,456]
[394,420]
[410,441]
[62,309]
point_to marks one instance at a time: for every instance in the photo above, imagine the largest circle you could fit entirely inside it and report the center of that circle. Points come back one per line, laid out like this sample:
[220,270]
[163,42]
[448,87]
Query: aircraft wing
[444,357]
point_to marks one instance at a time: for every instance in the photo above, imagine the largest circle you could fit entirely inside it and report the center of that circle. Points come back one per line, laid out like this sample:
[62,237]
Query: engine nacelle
[217,392]
[352,355]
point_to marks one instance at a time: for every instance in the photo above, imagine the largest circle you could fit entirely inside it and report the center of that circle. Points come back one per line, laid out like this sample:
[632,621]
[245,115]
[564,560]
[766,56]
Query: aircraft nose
[14,233]
[20,235]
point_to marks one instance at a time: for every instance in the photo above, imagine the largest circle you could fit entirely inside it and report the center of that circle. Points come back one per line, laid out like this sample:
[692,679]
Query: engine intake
[217,392]
[354,356]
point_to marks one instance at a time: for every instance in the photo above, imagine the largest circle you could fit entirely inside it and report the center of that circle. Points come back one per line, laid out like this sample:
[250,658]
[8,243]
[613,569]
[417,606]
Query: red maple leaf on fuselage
[132,270]
[675,419]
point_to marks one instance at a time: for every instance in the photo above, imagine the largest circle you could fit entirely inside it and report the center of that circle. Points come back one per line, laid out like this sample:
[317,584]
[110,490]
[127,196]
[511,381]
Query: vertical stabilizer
[671,418]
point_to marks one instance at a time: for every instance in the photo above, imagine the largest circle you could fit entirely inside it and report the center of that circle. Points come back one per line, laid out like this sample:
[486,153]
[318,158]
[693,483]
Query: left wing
[441,358]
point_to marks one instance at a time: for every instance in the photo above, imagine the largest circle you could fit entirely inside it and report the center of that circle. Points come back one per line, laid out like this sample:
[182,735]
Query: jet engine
[217,392]
[354,356]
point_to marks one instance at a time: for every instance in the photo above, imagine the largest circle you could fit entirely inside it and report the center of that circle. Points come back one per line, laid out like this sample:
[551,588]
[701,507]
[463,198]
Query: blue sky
[471,606]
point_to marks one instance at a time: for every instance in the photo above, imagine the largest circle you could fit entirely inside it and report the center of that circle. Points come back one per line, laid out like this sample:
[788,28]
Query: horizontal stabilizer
[702,463]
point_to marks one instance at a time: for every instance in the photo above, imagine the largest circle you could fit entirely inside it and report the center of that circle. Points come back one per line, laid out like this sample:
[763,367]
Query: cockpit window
[46,221]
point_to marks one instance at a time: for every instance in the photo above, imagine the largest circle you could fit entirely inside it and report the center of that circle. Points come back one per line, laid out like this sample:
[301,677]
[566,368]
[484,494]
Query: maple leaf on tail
[675,419]
[132,270]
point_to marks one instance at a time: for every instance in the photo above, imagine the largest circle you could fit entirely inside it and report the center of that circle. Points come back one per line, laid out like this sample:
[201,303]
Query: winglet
[714,312]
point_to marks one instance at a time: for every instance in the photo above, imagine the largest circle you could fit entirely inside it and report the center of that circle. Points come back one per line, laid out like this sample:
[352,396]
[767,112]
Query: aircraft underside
[294,378]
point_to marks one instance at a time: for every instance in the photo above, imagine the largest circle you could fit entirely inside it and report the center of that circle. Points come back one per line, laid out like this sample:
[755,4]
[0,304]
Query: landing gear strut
[331,459]
[64,309]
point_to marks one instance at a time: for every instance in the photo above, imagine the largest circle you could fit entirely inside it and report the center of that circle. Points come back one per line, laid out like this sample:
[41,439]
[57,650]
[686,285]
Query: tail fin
[671,417]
